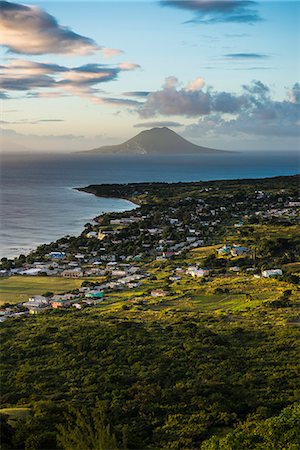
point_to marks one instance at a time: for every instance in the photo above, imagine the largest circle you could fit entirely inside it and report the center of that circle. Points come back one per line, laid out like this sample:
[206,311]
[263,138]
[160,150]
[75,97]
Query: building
[158,293]
[195,272]
[37,301]
[94,294]
[92,234]
[57,255]
[271,273]
[225,250]
[60,303]
[72,273]
[237,250]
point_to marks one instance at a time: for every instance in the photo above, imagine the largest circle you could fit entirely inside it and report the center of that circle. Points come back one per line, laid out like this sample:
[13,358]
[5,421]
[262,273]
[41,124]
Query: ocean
[39,203]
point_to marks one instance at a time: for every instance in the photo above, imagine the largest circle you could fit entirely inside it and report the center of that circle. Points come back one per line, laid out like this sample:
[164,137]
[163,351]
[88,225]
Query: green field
[17,289]
[16,414]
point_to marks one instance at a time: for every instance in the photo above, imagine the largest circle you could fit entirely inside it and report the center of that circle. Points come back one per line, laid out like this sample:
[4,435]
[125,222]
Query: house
[57,255]
[225,250]
[31,272]
[79,256]
[195,272]
[239,224]
[118,273]
[168,254]
[34,310]
[60,303]
[72,273]
[4,273]
[92,234]
[175,278]
[158,293]
[237,250]
[294,204]
[37,301]
[94,294]
[77,305]
[102,234]
[271,273]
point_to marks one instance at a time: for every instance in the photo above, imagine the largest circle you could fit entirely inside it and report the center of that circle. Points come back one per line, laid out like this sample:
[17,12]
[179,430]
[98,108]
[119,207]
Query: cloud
[29,122]
[216,11]
[246,56]
[294,94]
[137,94]
[171,82]
[4,96]
[253,111]
[158,124]
[110,52]
[128,66]
[196,84]
[190,101]
[30,76]
[119,101]
[29,30]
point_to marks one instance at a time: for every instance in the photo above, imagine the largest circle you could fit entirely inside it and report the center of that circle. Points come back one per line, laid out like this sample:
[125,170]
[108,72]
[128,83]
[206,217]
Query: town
[116,250]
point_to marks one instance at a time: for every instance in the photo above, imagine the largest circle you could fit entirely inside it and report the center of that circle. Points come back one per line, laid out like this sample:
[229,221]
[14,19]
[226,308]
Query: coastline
[15,250]
[125,192]
[88,190]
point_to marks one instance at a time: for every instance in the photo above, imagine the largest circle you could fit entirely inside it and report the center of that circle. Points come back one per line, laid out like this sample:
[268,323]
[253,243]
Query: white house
[271,273]
[37,301]
[92,234]
[195,272]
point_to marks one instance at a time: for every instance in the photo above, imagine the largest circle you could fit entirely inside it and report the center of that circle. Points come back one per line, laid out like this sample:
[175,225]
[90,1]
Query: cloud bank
[29,30]
[216,11]
[253,111]
[34,77]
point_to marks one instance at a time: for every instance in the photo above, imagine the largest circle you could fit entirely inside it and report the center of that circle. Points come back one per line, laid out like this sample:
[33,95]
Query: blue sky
[224,74]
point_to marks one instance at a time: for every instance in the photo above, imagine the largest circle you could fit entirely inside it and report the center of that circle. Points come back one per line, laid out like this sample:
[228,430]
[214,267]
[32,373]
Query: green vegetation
[213,364]
[169,372]
[18,288]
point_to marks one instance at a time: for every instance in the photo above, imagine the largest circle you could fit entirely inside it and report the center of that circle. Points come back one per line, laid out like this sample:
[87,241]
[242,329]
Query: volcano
[157,141]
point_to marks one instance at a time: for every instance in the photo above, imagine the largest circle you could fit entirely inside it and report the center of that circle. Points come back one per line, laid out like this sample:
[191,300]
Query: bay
[39,203]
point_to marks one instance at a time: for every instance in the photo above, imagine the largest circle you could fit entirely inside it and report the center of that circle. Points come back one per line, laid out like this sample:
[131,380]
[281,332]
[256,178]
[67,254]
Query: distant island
[157,141]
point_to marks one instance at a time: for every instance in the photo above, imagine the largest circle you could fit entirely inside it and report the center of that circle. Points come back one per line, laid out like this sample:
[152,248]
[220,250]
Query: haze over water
[39,204]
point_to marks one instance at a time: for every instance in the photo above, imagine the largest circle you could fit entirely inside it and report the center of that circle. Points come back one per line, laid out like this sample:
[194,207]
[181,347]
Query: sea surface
[39,203]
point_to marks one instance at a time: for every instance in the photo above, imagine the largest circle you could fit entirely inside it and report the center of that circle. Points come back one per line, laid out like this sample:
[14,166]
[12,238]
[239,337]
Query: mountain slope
[155,142]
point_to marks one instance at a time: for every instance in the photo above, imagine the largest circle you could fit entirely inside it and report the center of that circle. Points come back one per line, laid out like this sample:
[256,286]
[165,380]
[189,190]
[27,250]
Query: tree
[85,430]
[7,432]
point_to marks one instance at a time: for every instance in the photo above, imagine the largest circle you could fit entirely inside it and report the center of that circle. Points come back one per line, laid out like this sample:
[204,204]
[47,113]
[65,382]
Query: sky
[77,75]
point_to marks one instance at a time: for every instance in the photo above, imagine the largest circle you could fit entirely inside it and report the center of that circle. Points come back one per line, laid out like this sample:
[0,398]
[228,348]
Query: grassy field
[15,414]
[19,288]
[244,293]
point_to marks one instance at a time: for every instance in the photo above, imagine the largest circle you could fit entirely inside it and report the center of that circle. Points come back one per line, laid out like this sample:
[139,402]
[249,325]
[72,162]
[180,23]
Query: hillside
[155,142]
[174,360]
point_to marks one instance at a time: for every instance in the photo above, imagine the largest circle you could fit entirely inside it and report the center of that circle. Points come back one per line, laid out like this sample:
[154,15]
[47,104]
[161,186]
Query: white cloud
[30,30]
[128,66]
[196,84]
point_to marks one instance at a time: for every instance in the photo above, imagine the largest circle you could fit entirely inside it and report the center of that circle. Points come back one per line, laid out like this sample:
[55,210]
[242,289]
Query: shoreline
[33,247]
[91,191]
[136,203]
